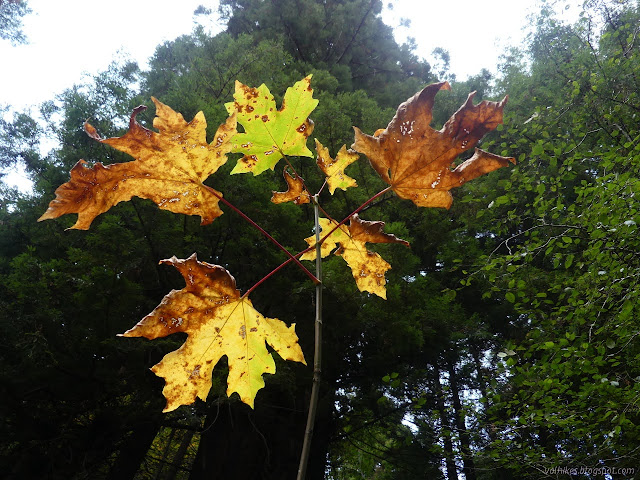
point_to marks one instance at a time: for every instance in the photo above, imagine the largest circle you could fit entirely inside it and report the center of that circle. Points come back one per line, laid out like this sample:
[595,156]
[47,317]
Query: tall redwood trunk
[178,458]
[469,468]
[134,450]
[449,454]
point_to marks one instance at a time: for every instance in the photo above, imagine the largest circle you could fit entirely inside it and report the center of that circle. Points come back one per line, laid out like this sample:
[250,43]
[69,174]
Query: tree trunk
[489,428]
[482,386]
[178,459]
[468,466]
[134,450]
[165,454]
[262,444]
[449,454]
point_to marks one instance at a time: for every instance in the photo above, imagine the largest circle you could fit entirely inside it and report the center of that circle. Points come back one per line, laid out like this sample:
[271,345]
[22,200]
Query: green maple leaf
[269,134]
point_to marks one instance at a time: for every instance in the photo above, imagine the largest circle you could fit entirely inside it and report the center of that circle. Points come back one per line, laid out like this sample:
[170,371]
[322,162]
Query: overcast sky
[68,38]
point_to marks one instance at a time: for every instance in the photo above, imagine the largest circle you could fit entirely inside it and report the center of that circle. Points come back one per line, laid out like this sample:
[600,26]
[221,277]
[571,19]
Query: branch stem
[317,356]
[266,234]
[295,257]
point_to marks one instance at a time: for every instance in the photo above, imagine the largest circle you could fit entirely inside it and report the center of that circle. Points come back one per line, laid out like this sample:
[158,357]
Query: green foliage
[567,260]
[347,39]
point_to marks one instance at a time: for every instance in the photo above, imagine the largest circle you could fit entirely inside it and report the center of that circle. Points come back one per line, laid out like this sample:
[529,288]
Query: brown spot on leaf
[92,191]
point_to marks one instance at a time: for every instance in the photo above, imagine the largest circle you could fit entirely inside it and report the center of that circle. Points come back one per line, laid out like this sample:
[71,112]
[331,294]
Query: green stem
[317,357]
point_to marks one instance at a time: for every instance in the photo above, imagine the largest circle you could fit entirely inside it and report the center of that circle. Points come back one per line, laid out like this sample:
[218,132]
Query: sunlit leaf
[169,169]
[368,268]
[270,133]
[218,322]
[334,168]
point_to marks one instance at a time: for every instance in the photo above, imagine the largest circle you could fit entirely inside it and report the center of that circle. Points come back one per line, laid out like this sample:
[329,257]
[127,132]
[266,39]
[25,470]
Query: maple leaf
[334,169]
[296,192]
[218,322]
[368,268]
[169,169]
[416,160]
[269,133]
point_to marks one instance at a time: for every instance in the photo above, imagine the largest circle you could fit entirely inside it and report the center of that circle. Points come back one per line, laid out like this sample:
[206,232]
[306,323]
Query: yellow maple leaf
[270,133]
[218,322]
[417,160]
[334,168]
[170,168]
[368,268]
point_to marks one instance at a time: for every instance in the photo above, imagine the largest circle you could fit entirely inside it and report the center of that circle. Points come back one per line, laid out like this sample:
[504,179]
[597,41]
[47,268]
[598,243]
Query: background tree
[11,13]
[567,263]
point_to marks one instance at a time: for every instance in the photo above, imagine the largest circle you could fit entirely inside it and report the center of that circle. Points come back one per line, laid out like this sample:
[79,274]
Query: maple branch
[357,210]
[295,257]
[317,356]
[266,234]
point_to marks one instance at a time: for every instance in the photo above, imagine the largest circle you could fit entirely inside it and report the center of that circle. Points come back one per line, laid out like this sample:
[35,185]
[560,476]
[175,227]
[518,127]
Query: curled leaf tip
[91,131]
[169,169]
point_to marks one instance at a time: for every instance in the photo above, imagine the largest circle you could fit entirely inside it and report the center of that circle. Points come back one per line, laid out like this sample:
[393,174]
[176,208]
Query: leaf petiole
[294,258]
[267,235]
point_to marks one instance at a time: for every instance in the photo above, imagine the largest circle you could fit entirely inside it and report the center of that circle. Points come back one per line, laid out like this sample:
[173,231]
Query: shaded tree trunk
[262,444]
[165,454]
[468,468]
[449,454]
[482,386]
[134,450]
[230,446]
[178,458]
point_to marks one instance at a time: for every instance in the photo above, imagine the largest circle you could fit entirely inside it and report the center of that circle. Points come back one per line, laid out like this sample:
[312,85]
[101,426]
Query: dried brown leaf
[296,192]
[418,161]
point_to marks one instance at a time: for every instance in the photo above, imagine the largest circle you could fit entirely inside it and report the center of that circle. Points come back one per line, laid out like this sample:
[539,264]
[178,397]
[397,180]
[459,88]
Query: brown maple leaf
[295,193]
[218,322]
[170,168]
[417,160]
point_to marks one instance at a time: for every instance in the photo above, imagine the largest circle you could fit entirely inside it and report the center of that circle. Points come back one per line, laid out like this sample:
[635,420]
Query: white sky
[71,38]
[68,38]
